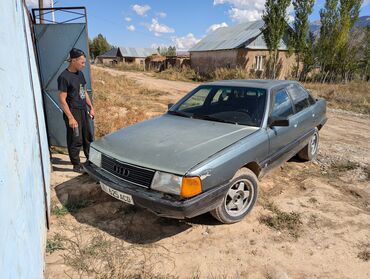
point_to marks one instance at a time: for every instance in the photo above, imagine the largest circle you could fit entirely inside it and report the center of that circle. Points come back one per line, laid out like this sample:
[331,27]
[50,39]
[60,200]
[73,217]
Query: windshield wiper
[211,118]
[175,112]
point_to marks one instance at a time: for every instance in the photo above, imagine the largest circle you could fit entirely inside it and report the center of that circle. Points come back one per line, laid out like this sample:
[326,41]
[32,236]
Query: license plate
[117,194]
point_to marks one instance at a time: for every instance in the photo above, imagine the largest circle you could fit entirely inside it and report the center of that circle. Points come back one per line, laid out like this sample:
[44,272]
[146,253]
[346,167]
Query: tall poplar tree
[349,11]
[302,9]
[275,19]
[327,45]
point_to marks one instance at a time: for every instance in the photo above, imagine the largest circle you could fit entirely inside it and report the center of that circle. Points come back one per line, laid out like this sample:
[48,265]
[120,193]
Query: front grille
[130,173]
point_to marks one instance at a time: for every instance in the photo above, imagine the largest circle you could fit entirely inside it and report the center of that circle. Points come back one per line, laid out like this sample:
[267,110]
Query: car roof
[255,83]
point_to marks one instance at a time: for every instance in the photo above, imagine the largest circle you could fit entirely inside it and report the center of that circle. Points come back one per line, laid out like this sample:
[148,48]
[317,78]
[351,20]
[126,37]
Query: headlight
[95,157]
[185,187]
[167,183]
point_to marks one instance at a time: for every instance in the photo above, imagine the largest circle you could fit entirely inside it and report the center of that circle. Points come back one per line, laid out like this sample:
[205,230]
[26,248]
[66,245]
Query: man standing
[74,100]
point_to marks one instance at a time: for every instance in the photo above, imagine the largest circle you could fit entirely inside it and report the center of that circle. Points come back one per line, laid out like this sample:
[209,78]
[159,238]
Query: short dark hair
[75,53]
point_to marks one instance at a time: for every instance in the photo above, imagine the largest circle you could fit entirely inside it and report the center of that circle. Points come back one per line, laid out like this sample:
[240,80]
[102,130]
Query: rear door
[304,114]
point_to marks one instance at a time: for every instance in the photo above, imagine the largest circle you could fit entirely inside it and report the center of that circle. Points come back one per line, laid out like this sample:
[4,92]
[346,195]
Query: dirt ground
[312,219]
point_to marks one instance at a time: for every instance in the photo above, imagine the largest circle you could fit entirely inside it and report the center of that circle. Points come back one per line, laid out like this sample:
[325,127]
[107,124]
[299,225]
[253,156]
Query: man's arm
[71,120]
[88,102]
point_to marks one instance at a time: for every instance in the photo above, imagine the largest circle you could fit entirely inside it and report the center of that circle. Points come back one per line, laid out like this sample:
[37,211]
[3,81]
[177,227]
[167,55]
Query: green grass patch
[54,244]
[282,221]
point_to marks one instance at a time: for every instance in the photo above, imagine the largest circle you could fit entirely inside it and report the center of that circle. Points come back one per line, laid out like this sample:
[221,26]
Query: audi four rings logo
[121,170]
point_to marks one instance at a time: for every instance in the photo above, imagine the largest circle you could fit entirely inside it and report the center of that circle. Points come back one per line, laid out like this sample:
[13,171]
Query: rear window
[300,97]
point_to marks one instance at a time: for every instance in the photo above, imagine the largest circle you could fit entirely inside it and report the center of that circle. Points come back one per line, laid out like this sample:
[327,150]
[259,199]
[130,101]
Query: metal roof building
[136,52]
[126,54]
[245,35]
[241,46]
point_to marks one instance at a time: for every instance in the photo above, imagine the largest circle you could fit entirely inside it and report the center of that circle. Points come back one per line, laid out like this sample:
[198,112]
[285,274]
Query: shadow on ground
[88,204]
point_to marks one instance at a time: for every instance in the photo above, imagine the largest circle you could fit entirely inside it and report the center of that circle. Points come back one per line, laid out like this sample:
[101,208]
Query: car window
[196,100]
[310,98]
[300,97]
[282,105]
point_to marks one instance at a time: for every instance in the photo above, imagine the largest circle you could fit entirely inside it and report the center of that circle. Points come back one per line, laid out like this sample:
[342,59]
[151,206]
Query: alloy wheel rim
[239,198]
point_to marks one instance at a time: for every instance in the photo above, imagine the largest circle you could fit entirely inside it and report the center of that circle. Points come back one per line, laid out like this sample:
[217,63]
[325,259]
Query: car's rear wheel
[309,152]
[239,199]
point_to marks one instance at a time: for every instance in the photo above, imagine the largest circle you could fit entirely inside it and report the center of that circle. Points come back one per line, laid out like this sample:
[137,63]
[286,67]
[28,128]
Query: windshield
[236,105]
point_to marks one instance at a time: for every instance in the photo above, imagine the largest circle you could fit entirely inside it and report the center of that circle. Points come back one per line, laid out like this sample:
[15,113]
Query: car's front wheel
[239,199]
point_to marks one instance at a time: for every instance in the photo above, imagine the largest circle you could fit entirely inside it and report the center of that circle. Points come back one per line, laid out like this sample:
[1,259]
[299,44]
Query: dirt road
[147,80]
[312,219]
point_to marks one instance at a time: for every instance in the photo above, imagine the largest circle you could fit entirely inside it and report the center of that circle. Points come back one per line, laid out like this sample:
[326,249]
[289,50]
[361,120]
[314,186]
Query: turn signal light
[191,186]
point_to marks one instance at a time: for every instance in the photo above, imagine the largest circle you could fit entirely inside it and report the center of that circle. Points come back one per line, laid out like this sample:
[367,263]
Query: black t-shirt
[75,86]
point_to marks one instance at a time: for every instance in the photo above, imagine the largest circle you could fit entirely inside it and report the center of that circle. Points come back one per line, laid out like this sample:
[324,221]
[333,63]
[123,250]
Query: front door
[281,139]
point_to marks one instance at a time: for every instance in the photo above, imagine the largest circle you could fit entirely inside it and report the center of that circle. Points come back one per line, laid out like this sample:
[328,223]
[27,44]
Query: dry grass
[128,67]
[188,74]
[91,253]
[226,74]
[120,102]
[184,74]
[354,96]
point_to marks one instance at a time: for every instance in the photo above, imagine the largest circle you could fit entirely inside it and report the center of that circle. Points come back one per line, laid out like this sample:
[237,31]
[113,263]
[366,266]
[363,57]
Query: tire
[239,199]
[309,152]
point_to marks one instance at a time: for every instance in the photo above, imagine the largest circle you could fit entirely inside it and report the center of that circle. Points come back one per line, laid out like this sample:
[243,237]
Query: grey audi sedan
[208,151]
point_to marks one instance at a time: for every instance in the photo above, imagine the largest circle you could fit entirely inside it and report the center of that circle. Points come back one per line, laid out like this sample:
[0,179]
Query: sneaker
[78,168]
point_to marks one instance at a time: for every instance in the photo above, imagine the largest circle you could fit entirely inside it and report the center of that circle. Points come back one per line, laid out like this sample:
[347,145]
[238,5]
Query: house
[239,46]
[112,56]
[128,55]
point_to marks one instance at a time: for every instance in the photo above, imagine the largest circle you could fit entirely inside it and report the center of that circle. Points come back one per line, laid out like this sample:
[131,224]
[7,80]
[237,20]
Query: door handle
[295,125]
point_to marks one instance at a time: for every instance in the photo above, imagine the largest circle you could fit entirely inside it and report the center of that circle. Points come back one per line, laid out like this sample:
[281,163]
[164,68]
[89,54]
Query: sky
[153,23]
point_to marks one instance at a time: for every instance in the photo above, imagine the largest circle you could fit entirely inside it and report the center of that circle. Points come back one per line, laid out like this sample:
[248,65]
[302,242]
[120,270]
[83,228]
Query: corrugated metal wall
[54,41]
[24,163]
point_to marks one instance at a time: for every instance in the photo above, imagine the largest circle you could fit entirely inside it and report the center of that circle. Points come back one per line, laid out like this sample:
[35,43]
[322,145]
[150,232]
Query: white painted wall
[24,156]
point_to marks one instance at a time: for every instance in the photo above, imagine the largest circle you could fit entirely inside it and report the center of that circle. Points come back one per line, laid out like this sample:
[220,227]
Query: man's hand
[92,113]
[73,123]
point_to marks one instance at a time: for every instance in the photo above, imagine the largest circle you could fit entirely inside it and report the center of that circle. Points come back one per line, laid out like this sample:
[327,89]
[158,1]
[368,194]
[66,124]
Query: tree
[275,19]
[167,51]
[337,54]
[302,8]
[308,56]
[99,45]
[365,65]
[327,46]
[349,11]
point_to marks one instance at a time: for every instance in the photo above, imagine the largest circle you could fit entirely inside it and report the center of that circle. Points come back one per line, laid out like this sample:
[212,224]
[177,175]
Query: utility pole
[52,12]
[41,6]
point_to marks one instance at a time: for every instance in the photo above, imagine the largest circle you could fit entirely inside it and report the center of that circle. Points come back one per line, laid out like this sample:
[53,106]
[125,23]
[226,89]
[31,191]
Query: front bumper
[159,203]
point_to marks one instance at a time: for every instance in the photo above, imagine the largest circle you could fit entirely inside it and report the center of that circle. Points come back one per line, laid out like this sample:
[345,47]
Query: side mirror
[170,106]
[280,122]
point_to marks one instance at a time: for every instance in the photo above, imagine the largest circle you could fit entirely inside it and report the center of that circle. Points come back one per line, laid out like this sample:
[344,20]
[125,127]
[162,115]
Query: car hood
[170,143]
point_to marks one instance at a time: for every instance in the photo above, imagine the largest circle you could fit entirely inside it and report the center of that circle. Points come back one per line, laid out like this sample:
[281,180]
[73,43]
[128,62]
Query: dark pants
[84,138]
